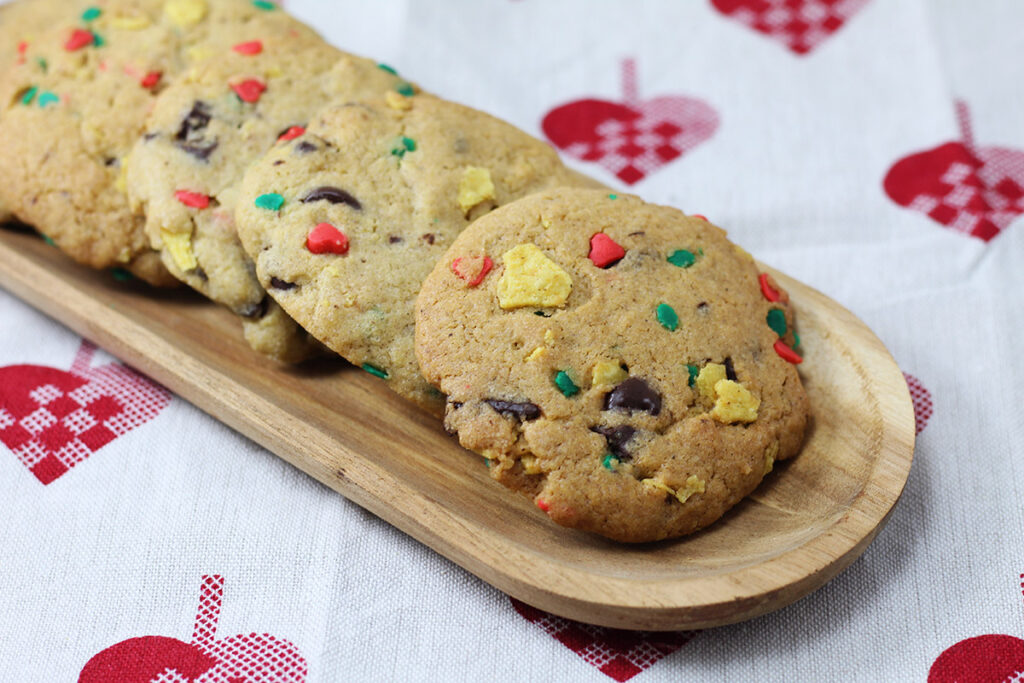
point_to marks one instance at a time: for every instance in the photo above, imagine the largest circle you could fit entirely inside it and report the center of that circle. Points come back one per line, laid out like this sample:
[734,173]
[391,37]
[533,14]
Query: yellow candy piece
[608,372]
[709,376]
[180,246]
[199,53]
[693,485]
[658,485]
[475,187]
[532,279]
[530,465]
[130,23]
[185,13]
[537,353]
[396,101]
[769,457]
[734,403]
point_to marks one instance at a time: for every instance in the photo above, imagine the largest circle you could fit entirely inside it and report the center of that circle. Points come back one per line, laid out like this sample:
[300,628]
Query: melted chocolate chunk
[428,238]
[617,438]
[334,195]
[633,394]
[305,147]
[195,121]
[730,372]
[201,152]
[395,239]
[519,411]
[278,162]
[256,311]
[278,283]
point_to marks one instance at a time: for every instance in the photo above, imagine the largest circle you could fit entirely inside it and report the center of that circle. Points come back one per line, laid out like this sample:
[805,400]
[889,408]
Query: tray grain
[806,523]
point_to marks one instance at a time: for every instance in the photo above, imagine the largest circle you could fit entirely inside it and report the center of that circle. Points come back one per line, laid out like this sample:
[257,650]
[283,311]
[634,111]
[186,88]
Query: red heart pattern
[991,658]
[977,191]
[800,25]
[632,138]
[253,658]
[53,419]
[616,653]
[922,400]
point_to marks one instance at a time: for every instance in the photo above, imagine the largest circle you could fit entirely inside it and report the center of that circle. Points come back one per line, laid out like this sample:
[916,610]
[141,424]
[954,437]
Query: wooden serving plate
[807,522]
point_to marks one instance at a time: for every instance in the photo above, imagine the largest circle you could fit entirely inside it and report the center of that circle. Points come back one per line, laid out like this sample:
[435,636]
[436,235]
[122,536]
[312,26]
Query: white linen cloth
[806,129]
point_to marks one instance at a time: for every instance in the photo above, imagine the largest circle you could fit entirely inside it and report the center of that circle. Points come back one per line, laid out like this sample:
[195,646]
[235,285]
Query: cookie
[203,133]
[345,221]
[616,360]
[73,108]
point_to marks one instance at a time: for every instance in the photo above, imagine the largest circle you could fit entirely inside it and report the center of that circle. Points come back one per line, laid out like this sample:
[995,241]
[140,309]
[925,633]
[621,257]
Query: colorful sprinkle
[694,371]
[604,251]
[543,505]
[195,200]
[776,320]
[249,90]
[472,269]
[271,201]
[252,47]
[29,95]
[326,239]
[91,14]
[389,69]
[767,287]
[565,384]
[264,5]
[374,370]
[151,79]
[292,133]
[404,145]
[79,38]
[48,98]
[787,354]
[682,258]
[610,462]
[405,89]
[667,317]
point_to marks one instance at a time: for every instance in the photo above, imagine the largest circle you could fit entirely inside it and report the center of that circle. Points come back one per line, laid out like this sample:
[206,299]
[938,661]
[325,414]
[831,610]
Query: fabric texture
[873,149]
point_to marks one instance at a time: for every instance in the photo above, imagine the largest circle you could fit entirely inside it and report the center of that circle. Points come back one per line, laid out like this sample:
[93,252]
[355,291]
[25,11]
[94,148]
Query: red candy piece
[787,354]
[193,199]
[467,273]
[327,239]
[79,38]
[770,293]
[292,133]
[249,90]
[543,505]
[253,47]
[701,216]
[22,49]
[604,251]
[151,79]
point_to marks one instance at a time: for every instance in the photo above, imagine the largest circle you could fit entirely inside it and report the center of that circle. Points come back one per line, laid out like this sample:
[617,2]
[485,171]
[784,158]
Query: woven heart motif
[53,419]
[616,653]
[252,658]
[634,137]
[922,400]
[800,25]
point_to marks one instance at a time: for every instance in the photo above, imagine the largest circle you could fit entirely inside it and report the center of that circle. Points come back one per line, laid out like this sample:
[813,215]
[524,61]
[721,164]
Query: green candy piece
[91,14]
[682,258]
[389,69]
[613,196]
[121,275]
[43,64]
[404,145]
[694,371]
[796,341]
[610,462]
[405,89]
[776,320]
[264,5]
[565,384]
[47,98]
[97,40]
[29,95]
[667,317]
[271,201]
[375,371]
[48,240]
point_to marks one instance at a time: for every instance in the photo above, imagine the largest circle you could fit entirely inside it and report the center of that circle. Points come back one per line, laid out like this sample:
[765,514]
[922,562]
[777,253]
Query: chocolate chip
[636,234]
[201,152]
[201,274]
[195,121]
[519,411]
[456,404]
[617,438]
[633,394]
[334,195]
[305,147]
[395,239]
[256,311]
[703,307]
[730,372]
[278,283]
[428,238]
[150,136]
[110,161]
[278,162]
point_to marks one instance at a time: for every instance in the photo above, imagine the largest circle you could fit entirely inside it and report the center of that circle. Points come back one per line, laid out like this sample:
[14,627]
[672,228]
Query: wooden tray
[807,522]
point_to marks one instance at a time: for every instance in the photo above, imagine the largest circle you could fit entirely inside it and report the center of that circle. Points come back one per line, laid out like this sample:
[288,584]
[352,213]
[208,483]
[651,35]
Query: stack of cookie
[622,363]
